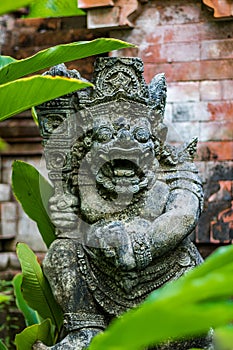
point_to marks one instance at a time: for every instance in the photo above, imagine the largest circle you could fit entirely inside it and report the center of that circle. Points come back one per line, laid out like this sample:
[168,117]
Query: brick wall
[183,40]
[194,50]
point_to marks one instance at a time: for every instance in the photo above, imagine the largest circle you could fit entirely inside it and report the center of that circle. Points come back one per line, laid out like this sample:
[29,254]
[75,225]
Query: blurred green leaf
[35,287]
[54,8]
[4,298]
[58,54]
[11,5]
[2,346]
[28,92]
[3,145]
[30,335]
[30,315]
[187,307]
[33,192]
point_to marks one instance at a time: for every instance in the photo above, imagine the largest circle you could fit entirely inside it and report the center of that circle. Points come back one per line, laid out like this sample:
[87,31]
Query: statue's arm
[178,221]
[137,242]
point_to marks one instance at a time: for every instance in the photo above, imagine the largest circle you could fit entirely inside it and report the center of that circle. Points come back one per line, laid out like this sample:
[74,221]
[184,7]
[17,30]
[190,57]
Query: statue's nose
[124,135]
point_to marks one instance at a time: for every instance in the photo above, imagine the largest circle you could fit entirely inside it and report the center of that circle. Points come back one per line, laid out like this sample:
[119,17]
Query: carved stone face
[122,155]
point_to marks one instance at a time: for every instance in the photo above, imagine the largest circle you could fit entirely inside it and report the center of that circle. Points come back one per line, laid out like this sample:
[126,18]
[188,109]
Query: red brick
[217,150]
[40,23]
[186,71]
[181,33]
[190,111]
[227,89]
[190,32]
[182,131]
[183,91]
[216,131]
[221,111]
[215,30]
[219,69]
[210,90]
[171,53]
[177,12]
[217,49]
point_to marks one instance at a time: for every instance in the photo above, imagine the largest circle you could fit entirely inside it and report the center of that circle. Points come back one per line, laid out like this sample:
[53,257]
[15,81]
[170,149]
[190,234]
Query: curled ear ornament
[158,93]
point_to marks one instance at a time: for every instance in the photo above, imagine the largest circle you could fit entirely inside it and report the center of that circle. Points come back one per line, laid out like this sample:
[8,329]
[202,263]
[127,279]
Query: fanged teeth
[143,184]
[123,172]
[100,178]
[109,185]
[104,157]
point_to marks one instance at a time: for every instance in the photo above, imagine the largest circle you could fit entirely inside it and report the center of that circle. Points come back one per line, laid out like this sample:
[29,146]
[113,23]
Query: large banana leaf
[35,287]
[25,93]
[11,5]
[33,192]
[30,315]
[54,8]
[5,60]
[58,54]
[186,307]
[30,335]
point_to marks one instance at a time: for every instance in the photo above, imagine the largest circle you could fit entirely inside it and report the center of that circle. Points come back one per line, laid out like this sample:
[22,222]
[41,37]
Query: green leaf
[4,298]
[30,335]
[11,5]
[35,287]
[34,115]
[28,92]
[5,60]
[58,54]
[30,315]
[33,192]
[54,8]
[2,346]
[3,145]
[189,306]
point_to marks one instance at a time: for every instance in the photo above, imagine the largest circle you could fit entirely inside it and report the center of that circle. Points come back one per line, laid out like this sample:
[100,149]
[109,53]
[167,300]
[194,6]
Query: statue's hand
[114,243]
[63,211]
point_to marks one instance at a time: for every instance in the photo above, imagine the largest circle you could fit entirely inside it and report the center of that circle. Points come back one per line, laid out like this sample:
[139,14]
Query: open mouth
[121,176]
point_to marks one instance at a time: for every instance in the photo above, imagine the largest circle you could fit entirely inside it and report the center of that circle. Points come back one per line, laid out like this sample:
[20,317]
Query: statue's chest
[155,200]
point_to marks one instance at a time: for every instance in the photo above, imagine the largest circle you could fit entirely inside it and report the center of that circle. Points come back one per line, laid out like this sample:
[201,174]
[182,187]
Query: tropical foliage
[43,8]
[54,8]
[20,93]
[33,191]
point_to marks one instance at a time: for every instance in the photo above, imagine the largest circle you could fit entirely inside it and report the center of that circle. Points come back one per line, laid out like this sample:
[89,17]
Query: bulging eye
[104,134]
[142,135]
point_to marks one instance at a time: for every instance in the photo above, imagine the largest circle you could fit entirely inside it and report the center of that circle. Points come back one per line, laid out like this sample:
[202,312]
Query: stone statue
[124,201]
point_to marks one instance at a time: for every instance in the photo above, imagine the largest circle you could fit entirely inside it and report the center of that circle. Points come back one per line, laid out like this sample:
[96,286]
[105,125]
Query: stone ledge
[222,8]
[111,14]
[88,4]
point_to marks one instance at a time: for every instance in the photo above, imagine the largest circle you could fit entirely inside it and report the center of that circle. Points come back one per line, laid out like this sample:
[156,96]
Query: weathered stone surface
[124,200]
